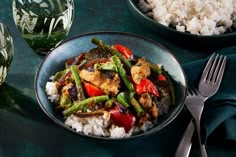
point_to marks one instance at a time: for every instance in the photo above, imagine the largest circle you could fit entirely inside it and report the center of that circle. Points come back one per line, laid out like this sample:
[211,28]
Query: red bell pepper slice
[126,120]
[92,90]
[146,86]
[125,51]
[161,77]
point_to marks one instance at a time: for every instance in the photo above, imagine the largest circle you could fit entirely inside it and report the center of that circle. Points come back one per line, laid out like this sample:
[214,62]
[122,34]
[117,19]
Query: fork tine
[212,69]
[221,71]
[189,92]
[216,71]
[195,91]
[192,91]
[207,68]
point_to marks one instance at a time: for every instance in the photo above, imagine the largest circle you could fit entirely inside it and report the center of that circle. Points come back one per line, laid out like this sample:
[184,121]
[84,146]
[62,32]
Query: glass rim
[50,15]
[8,34]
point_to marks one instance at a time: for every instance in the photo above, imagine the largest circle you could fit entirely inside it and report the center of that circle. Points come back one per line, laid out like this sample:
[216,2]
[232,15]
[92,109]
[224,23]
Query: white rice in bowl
[100,126]
[52,92]
[201,17]
[97,125]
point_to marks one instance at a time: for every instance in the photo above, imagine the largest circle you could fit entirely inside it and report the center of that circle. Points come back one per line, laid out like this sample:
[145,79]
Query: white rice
[96,125]
[201,17]
[119,132]
[89,126]
[52,92]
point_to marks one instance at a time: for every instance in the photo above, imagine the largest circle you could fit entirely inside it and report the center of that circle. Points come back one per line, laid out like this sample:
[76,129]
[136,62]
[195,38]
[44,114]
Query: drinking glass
[43,23]
[6,51]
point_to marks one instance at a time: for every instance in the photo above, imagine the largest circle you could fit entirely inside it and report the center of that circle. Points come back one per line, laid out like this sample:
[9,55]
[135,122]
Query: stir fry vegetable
[107,79]
[92,90]
[84,104]
[146,86]
[125,51]
[77,82]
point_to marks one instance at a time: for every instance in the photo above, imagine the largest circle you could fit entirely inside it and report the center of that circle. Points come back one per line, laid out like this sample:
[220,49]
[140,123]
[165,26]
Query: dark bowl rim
[147,133]
[138,11]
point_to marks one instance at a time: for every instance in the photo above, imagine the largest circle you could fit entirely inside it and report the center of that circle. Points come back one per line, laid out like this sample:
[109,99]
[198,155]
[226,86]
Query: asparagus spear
[155,68]
[77,82]
[123,98]
[84,103]
[135,103]
[111,50]
[122,73]
[109,103]
[60,74]
[126,98]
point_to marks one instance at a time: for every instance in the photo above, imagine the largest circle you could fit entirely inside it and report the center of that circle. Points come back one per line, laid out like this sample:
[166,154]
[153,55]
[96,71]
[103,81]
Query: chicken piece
[140,70]
[145,100]
[154,111]
[107,84]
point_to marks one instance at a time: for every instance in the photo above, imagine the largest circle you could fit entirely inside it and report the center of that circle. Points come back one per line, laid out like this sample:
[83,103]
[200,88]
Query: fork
[208,86]
[195,104]
[212,75]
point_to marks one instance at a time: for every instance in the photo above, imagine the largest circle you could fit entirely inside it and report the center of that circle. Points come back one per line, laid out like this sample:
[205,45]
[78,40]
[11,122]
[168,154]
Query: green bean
[111,50]
[84,103]
[78,83]
[135,103]
[155,68]
[109,103]
[60,74]
[122,73]
[123,98]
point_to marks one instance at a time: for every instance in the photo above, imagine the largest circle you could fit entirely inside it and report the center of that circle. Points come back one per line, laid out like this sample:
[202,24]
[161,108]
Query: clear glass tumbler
[43,23]
[6,51]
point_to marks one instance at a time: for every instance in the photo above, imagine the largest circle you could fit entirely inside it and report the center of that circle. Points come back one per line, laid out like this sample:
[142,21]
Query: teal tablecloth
[25,131]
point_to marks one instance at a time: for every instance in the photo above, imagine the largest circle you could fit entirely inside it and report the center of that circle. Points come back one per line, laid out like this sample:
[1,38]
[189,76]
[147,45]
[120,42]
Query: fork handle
[185,144]
[202,146]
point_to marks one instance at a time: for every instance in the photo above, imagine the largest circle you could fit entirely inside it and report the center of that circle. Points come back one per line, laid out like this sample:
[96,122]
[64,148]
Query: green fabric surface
[218,120]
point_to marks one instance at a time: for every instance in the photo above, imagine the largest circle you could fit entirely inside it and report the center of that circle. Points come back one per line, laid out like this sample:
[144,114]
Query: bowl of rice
[195,22]
[86,86]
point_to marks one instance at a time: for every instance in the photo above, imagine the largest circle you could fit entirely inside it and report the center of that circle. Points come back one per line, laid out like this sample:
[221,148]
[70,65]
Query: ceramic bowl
[183,38]
[140,46]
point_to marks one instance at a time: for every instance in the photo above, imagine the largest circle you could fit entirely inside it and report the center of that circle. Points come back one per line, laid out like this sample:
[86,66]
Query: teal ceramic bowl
[183,38]
[140,46]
